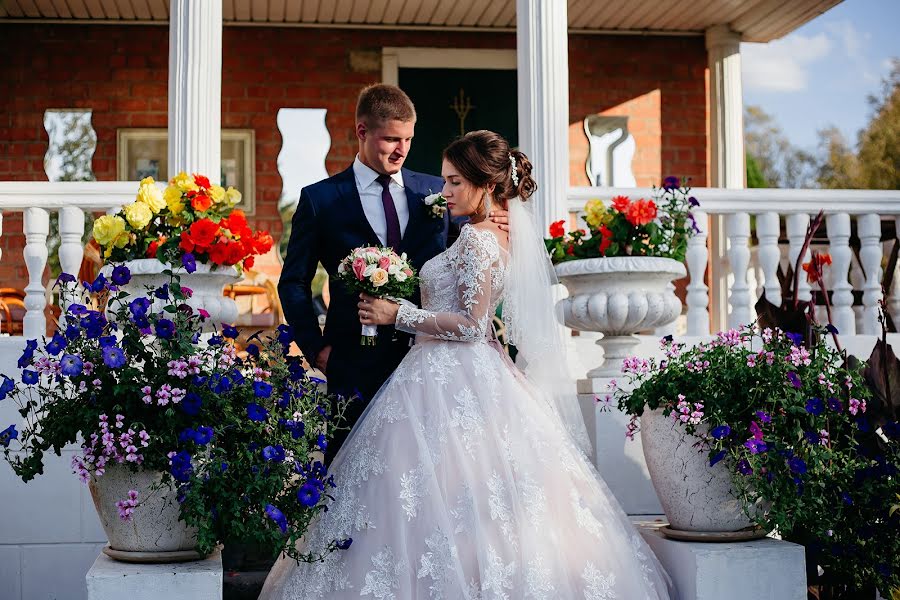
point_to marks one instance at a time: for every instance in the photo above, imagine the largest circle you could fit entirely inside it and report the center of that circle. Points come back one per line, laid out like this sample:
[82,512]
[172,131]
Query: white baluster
[894,299]
[37,227]
[737,227]
[839,281]
[71,230]
[768,228]
[869,230]
[697,290]
[796,230]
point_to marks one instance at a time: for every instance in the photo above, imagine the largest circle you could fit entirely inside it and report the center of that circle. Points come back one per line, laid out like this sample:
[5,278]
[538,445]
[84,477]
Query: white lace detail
[412,489]
[599,586]
[442,363]
[437,563]
[464,512]
[384,579]
[499,504]
[498,576]
[467,416]
[584,516]
[535,501]
[537,578]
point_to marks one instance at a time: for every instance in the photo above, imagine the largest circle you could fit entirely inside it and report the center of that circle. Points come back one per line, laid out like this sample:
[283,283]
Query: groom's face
[384,148]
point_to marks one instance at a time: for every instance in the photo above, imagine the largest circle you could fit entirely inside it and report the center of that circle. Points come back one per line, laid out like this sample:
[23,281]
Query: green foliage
[790,422]
[755,177]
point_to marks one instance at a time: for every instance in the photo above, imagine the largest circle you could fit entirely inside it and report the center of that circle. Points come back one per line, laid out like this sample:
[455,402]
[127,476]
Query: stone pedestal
[619,460]
[767,568]
[198,580]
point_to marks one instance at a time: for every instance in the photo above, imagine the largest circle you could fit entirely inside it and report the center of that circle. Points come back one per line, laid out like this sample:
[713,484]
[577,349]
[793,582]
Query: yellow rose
[217,193]
[233,196]
[108,228]
[596,214]
[138,214]
[172,196]
[379,277]
[184,182]
[150,194]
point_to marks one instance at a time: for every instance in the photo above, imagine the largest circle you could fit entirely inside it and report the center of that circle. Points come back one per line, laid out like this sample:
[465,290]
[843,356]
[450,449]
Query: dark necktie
[390,213]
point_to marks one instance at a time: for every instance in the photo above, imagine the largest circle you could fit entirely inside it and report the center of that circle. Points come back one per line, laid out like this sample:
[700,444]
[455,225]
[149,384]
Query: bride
[466,478]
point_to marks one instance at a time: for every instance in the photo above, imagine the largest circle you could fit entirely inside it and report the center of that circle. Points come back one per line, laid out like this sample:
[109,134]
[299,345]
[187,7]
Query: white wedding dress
[460,481]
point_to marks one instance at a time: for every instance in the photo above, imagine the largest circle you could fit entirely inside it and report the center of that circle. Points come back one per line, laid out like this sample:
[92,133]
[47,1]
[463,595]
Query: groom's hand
[377,311]
[322,358]
[500,218]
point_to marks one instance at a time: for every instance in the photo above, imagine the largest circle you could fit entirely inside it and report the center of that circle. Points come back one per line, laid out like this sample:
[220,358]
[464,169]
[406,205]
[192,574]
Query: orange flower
[620,203]
[153,247]
[558,229]
[641,212]
[236,222]
[815,266]
[200,201]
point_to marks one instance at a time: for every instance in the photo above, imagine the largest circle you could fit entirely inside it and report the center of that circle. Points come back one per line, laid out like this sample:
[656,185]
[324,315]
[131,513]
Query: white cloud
[782,65]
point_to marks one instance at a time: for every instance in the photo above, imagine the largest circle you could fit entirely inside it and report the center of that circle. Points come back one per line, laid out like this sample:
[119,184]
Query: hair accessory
[515,174]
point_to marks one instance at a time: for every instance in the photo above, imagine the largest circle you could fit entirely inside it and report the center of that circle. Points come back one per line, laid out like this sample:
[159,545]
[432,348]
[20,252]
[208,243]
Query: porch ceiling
[756,20]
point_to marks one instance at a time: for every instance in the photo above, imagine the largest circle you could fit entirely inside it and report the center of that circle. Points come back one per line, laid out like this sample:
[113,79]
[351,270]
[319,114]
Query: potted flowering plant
[619,277]
[193,227]
[163,416]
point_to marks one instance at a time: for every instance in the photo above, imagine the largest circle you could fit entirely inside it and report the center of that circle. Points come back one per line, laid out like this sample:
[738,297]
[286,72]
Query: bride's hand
[500,218]
[377,311]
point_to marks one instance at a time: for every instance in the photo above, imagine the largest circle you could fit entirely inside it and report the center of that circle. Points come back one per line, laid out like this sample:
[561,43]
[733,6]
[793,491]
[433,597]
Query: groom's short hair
[380,103]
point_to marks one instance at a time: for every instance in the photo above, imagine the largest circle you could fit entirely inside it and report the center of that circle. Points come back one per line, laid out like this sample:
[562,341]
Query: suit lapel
[351,201]
[414,201]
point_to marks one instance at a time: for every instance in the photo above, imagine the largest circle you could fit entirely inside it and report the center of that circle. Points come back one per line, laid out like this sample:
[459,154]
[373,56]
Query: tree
[755,177]
[780,163]
[839,167]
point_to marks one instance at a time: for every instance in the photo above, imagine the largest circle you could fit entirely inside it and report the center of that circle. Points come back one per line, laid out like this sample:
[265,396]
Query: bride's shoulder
[485,233]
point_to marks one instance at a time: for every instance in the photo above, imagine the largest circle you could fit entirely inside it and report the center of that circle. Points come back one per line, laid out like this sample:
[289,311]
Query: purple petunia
[7,435]
[165,329]
[276,515]
[763,416]
[190,404]
[744,467]
[308,494]
[114,357]
[139,307]
[343,544]
[57,344]
[797,465]
[229,331]
[255,412]
[274,453]
[815,406]
[794,379]
[835,405]
[755,446]
[718,456]
[261,389]
[180,466]
[671,182]
[30,377]
[720,432]
[189,262]
[121,275]
[6,387]
[321,442]
[71,365]
[795,338]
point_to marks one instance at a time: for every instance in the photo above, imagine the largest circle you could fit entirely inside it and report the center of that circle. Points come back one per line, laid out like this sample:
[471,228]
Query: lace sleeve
[476,253]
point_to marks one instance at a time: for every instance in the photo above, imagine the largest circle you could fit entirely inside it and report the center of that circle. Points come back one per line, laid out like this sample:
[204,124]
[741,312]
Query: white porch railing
[36,200]
[743,265]
[742,272]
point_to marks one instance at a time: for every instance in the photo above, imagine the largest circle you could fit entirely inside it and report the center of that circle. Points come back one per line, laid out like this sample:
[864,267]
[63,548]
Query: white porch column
[726,132]
[195,87]
[543,86]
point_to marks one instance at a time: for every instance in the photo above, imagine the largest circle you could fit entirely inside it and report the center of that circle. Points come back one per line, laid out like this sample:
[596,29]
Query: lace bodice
[461,289]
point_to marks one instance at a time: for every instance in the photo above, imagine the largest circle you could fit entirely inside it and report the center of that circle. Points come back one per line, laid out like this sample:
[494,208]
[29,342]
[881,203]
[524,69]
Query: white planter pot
[154,528]
[618,297]
[205,283]
[694,496]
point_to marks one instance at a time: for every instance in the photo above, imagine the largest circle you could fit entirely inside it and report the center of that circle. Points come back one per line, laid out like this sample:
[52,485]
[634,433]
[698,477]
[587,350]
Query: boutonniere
[437,205]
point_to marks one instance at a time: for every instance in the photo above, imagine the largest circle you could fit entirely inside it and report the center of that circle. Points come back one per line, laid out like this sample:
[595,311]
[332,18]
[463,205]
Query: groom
[374,202]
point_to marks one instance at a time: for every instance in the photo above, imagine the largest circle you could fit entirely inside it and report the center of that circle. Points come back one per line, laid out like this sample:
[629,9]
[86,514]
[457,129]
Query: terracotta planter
[694,496]
[154,533]
[206,283]
[618,297]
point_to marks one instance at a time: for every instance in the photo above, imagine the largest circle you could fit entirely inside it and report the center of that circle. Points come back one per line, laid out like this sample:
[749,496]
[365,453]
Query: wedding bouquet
[191,221]
[377,272]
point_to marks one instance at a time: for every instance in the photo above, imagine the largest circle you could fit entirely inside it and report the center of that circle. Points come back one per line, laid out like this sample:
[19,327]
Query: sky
[822,73]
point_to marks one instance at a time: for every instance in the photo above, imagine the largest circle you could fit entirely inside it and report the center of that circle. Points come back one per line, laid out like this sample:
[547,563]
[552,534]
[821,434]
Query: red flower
[570,250]
[200,236]
[641,212]
[248,262]
[202,181]
[557,229]
[154,246]
[605,239]
[814,267]
[236,222]
[620,203]
[262,243]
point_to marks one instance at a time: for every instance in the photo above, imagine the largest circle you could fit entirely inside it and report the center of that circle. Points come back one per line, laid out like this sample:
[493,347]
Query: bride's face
[463,198]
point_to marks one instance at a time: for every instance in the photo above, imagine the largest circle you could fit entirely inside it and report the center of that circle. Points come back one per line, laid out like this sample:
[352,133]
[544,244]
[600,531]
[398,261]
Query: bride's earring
[486,203]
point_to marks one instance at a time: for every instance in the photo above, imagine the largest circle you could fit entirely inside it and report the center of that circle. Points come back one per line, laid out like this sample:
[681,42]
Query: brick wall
[121,73]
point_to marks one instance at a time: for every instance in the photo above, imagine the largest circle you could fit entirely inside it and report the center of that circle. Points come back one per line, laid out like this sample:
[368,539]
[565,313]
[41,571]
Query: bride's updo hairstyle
[483,158]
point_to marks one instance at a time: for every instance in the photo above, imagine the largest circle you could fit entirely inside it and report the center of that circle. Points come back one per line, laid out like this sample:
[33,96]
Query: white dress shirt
[370,194]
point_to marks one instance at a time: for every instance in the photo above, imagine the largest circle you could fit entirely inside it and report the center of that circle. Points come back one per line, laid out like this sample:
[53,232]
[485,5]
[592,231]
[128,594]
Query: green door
[450,102]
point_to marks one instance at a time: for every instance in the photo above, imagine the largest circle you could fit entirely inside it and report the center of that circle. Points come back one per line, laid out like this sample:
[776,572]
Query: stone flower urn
[618,297]
[206,283]
[153,532]
[694,496]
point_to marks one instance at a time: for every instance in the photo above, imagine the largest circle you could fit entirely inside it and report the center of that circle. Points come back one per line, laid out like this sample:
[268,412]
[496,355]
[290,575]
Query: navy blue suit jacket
[328,224]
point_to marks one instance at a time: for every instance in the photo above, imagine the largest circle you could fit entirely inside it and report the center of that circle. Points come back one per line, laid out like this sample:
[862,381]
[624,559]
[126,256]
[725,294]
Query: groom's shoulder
[423,180]
[326,188]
